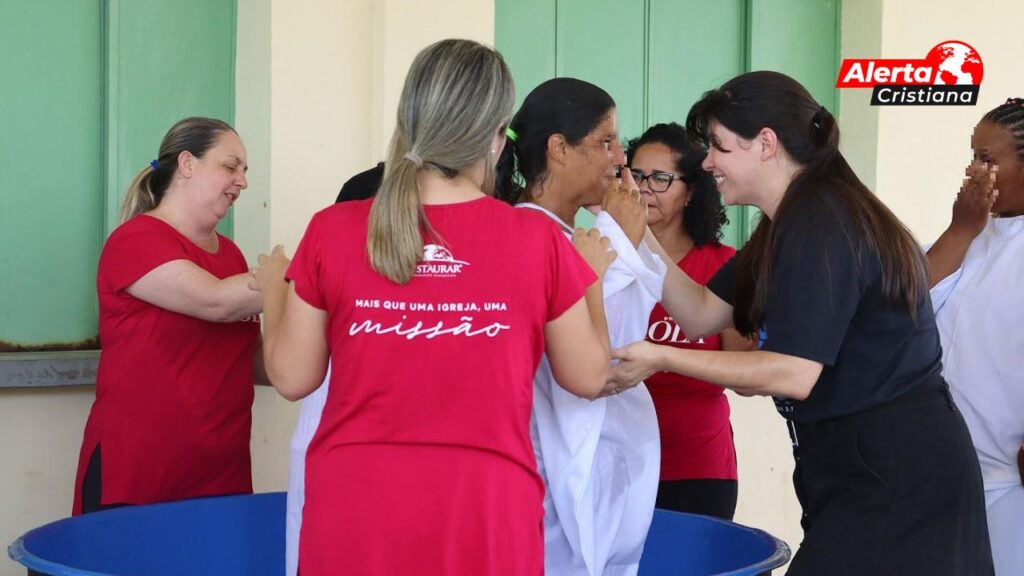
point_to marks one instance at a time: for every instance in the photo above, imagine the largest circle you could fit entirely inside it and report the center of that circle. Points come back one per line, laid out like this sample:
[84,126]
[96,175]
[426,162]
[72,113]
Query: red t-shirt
[422,463]
[693,415]
[173,393]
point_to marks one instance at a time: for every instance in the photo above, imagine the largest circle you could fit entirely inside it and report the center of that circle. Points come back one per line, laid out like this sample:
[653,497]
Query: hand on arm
[759,372]
[183,287]
[971,212]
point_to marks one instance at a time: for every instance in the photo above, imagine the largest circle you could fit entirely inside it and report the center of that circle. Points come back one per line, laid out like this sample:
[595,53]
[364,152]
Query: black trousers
[895,490]
[92,486]
[710,497]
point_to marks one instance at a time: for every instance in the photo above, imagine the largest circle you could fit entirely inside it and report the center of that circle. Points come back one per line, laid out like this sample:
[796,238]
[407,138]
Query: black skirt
[895,490]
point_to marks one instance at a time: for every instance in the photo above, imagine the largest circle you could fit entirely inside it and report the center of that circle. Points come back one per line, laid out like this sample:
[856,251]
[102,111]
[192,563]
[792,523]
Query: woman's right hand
[974,202]
[627,206]
[594,248]
[270,268]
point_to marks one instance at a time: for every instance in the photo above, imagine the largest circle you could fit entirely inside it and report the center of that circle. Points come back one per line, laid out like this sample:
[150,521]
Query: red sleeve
[135,248]
[723,254]
[570,275]
[304,271]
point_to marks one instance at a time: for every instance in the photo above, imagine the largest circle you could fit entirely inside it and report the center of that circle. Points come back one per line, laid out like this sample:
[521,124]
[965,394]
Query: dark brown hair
[809,134]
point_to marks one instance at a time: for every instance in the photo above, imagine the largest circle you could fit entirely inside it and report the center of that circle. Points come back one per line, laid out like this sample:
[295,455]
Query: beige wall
[317,86]
[921,151]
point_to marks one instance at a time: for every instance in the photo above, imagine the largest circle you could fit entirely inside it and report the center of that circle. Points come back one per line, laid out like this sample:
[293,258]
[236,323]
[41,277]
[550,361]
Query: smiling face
[218,178]
[735,163]
[593,161]
[657,161]
[994,145]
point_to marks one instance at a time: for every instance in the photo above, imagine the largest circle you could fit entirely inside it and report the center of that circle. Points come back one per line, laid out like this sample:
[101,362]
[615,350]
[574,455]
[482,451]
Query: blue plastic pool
[244,535]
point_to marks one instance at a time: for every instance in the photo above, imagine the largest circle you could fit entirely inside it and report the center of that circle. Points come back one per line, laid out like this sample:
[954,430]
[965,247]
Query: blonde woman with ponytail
[434,303]
[179,328]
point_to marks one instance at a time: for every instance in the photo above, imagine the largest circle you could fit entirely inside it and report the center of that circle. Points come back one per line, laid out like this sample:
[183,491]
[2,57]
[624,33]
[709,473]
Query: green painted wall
[89,88]
[656,57]
[51,178]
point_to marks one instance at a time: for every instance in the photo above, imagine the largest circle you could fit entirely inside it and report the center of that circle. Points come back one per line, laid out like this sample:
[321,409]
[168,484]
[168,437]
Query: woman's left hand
[636,362]
[270,268]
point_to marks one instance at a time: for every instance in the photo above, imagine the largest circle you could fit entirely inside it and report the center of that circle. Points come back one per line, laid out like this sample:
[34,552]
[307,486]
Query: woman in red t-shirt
[685,213]
[179,327]
[434,303]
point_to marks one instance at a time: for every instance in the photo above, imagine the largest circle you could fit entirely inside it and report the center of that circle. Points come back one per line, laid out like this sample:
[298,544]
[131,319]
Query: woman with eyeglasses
[686,215]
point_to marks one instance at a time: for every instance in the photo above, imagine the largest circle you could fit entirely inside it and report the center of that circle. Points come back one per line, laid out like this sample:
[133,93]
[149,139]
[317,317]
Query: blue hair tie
[154,164]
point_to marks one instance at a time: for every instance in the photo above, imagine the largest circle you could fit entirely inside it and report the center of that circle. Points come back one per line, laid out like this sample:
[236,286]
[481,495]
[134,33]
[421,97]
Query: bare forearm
[947,255]
[757,372]
[233,299]
[274,295]
[259,367]
[595,307]
[686,301]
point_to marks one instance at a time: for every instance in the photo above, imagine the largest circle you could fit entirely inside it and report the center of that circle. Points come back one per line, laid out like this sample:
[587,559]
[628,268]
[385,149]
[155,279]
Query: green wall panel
[656,57]
[602,41]
[168,59]
[693,46]
[799,38]
[526,39]
[51,180]
[89,88]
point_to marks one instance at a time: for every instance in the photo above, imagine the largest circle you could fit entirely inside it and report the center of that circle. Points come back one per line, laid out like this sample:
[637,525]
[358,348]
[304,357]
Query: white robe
[601,459]
[980,315]
[309,419]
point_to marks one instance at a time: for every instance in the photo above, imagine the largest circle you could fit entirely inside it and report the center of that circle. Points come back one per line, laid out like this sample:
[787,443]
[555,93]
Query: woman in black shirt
[837,289]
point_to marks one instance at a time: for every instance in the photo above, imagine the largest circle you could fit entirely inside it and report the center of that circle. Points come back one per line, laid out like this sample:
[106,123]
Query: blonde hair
[456,96]
[146,190]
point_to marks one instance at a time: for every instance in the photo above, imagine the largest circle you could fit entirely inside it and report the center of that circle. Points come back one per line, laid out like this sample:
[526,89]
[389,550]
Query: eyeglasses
[656,181]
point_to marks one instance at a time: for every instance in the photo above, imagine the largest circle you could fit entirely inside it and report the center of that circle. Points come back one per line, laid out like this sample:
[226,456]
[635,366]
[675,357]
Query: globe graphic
[956,63]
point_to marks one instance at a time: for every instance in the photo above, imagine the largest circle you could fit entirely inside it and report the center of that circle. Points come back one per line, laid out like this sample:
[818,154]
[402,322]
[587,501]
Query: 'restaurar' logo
[438,261]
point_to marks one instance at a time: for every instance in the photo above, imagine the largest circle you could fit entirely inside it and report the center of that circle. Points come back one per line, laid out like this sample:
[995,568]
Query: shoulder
[818,221]
[346,211]
[715,252]
[534,220]
[141,233]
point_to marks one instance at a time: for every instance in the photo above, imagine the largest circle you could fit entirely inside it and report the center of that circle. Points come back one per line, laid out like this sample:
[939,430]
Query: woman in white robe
[599,459]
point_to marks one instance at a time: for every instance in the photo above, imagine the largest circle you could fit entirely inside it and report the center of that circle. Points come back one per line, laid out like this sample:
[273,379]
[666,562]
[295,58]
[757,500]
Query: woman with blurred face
[976,276]
[599,459]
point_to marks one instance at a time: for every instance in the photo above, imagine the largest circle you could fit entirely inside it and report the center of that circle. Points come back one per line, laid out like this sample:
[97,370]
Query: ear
[768,140]
[185,163]
[558,149]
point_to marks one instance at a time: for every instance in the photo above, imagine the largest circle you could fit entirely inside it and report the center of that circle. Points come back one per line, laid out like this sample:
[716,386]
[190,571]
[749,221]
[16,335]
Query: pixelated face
[593,161]
[657,162]
[994,145]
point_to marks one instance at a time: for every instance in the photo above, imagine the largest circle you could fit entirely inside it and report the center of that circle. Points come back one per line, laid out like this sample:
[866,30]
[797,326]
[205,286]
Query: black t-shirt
[826,304]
